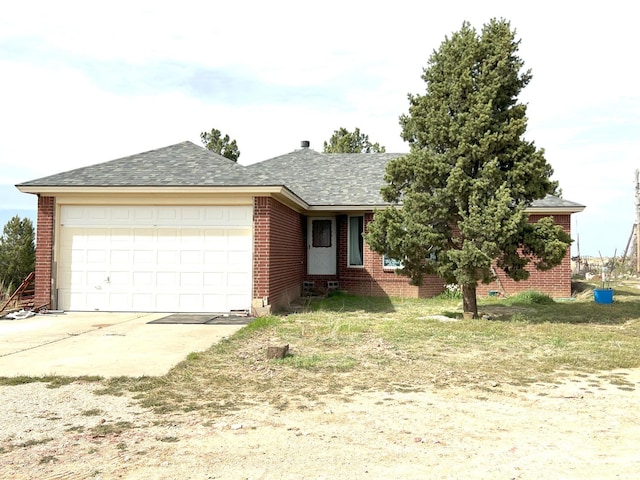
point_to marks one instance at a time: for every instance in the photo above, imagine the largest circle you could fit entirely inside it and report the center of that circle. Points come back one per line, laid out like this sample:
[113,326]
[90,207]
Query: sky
[86,82]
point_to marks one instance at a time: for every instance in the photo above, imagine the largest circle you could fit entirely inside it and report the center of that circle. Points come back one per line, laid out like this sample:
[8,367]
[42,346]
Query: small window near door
[321,233]
[356,242]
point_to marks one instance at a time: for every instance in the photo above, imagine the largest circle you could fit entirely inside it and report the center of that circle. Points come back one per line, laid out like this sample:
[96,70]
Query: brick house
[182,229]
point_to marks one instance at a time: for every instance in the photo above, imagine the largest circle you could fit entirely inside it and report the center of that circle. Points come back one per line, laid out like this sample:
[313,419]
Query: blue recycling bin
[603,295]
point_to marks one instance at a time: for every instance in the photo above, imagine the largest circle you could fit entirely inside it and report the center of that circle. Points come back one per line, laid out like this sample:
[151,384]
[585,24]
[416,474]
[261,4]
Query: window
[321,233]
[392,263]
[356,242]
[388,262]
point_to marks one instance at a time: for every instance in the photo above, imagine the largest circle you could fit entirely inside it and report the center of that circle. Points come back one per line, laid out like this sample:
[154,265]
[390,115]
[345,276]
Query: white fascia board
[555,210]
[259,191]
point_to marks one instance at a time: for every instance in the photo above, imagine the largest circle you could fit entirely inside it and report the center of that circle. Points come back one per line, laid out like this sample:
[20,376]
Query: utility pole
[637,222]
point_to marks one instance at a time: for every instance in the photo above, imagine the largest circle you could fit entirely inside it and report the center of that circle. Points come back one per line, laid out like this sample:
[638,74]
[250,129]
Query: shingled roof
[335,181]
[348,179]
[183,164]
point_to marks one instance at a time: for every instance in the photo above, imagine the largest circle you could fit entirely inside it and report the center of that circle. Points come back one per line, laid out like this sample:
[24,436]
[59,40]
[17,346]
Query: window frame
[319,238]
[360,240]
[389,263]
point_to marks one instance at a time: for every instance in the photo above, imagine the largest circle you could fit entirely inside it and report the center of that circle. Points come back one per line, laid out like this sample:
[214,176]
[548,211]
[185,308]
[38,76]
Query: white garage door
[155,259]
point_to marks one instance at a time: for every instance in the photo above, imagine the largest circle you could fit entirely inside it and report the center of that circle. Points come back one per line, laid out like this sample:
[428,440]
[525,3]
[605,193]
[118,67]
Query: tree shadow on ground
[343,302]
[569,312]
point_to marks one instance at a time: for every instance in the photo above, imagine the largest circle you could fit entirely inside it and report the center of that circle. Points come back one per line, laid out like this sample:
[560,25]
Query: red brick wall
[373,279]
[280,263]
[279,252]
[555,282]
[44,250]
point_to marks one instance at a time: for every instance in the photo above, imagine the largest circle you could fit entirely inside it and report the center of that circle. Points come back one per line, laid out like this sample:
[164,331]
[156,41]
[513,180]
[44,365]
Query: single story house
[182,229]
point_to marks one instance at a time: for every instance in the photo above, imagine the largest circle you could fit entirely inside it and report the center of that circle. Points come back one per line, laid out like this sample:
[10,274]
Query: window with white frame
[391,263]
[356,242]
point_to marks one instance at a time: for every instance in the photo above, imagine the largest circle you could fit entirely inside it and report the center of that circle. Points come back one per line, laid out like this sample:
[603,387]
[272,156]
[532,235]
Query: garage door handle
[107,280]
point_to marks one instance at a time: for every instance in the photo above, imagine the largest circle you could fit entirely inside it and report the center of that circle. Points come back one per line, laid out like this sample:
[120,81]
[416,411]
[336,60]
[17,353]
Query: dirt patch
[585,426]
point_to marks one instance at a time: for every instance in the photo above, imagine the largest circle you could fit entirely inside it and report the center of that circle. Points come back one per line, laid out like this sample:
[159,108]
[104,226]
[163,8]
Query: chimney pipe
[304,143]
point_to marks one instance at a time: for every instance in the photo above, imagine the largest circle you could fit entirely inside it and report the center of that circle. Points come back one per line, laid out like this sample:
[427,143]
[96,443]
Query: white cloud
[85,82]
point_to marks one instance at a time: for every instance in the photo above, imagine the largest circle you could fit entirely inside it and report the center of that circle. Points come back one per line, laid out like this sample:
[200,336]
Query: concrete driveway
[100,343]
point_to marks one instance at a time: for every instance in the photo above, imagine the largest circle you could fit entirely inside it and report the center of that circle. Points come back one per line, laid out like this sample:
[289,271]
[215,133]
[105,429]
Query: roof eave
[279,191]
[370,207]
[556,210]
[348,208]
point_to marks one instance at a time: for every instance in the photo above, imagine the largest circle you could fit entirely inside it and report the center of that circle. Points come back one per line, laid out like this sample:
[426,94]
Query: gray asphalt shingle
[331,180]
[183,164]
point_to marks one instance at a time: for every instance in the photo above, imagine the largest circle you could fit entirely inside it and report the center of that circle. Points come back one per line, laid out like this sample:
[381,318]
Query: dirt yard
[585,427]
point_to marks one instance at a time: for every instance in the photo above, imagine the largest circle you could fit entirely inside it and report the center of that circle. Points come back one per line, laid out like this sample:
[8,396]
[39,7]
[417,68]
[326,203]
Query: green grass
[345,344]
[116,428]
[92,412]
[52,381]
[31,443]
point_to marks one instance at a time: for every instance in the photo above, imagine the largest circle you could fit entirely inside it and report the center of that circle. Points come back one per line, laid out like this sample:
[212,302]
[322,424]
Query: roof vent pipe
[304,143]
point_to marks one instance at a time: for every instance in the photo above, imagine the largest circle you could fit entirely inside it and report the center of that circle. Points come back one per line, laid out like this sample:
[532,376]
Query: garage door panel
[166,279]
[197,264]
[193,257]
[212,302]
[77,256]
[216,217]
[214,279]
[236,257]
[239,216]
[143,257]
[96,215]
[190,238]
[120,257]
[120,235]
[168,257]
[96,277]
[144,279]
[119,301]
[143,235]
[168,236]
[167,302]
[143,301]
[216,261]
[236,280]
[143,214]
[98,256]
[97,298]
[190,279]
[190,302]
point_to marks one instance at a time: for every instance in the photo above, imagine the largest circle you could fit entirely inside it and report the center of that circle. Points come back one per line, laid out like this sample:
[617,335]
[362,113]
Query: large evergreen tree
[17,252]
[470,174]
[344,141]
[224,146]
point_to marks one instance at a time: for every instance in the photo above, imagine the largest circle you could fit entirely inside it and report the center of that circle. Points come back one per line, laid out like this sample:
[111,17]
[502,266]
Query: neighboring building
[182,229]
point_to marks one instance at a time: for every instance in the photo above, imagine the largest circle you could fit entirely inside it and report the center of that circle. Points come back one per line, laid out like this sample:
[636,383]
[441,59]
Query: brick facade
[279,252]
[372,278]
[44,250]
[555,282]
[280,256]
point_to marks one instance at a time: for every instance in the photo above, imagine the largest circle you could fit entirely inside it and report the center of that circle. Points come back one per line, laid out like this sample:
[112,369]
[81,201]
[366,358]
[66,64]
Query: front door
[321,246]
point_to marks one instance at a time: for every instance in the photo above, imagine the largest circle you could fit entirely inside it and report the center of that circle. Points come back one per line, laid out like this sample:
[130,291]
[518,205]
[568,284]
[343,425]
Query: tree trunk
[469,302]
